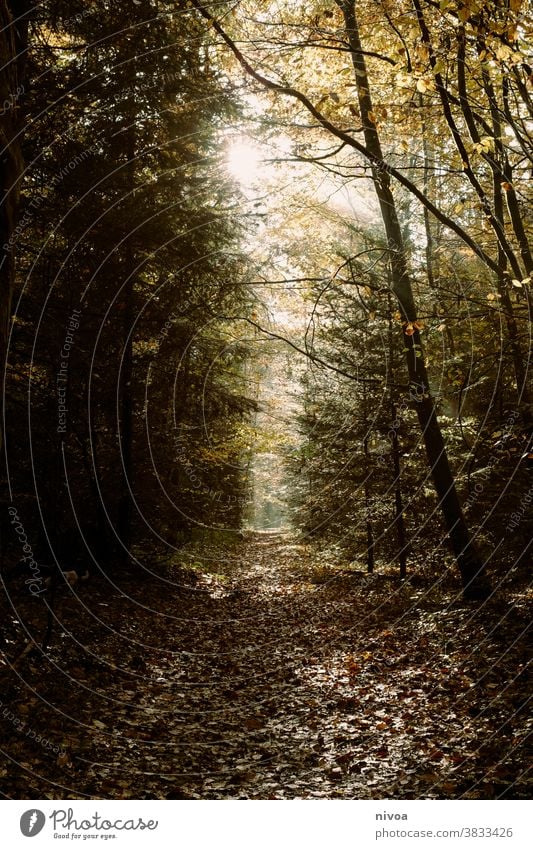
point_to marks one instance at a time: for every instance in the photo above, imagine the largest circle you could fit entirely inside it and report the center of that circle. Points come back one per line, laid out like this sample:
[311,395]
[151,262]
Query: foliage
[129,256]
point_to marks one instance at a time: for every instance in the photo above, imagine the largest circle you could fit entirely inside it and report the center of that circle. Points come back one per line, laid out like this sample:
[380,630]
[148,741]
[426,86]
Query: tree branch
[377,162]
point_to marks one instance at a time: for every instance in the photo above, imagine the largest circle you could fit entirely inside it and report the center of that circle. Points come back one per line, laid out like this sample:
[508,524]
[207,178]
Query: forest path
[254,672]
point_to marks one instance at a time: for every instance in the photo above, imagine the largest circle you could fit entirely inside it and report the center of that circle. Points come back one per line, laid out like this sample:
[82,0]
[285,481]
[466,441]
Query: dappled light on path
[261,674]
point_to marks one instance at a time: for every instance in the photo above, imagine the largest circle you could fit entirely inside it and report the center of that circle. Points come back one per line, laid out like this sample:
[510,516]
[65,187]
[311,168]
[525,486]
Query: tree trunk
[399,519]
[370,544]
[470,565]
[126,387]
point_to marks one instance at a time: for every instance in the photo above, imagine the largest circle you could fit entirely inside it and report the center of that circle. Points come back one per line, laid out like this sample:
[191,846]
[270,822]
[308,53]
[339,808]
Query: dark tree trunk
[370,543]
[126,376]
[399,519]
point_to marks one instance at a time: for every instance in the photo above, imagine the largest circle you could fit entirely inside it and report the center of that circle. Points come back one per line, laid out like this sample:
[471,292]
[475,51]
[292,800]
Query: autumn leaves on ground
[255,670]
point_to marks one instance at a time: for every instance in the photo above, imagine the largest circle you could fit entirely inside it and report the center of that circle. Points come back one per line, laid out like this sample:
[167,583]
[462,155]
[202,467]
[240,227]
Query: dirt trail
[252,672]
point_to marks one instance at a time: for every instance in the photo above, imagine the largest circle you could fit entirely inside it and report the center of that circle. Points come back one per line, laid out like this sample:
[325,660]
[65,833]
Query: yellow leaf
[503,52]
[487,143]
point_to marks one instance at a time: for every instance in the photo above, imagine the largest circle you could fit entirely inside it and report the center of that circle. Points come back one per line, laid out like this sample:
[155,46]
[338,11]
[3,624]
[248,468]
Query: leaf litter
[243,677]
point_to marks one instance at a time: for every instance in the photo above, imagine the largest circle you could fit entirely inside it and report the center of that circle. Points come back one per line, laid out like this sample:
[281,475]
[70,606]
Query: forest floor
[255,672]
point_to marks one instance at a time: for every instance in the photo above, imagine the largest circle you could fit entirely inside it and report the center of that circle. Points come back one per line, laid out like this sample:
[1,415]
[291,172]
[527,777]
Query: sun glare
[243,161]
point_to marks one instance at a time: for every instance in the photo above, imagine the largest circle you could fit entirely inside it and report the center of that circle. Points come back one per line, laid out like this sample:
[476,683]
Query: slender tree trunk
[126,396]
[399,519]
[370,543]
[469,563]
[126,424]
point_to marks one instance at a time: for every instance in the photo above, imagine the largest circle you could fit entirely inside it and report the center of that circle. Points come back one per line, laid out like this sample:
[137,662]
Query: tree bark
[399,518]
[126,388]
[370,542]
